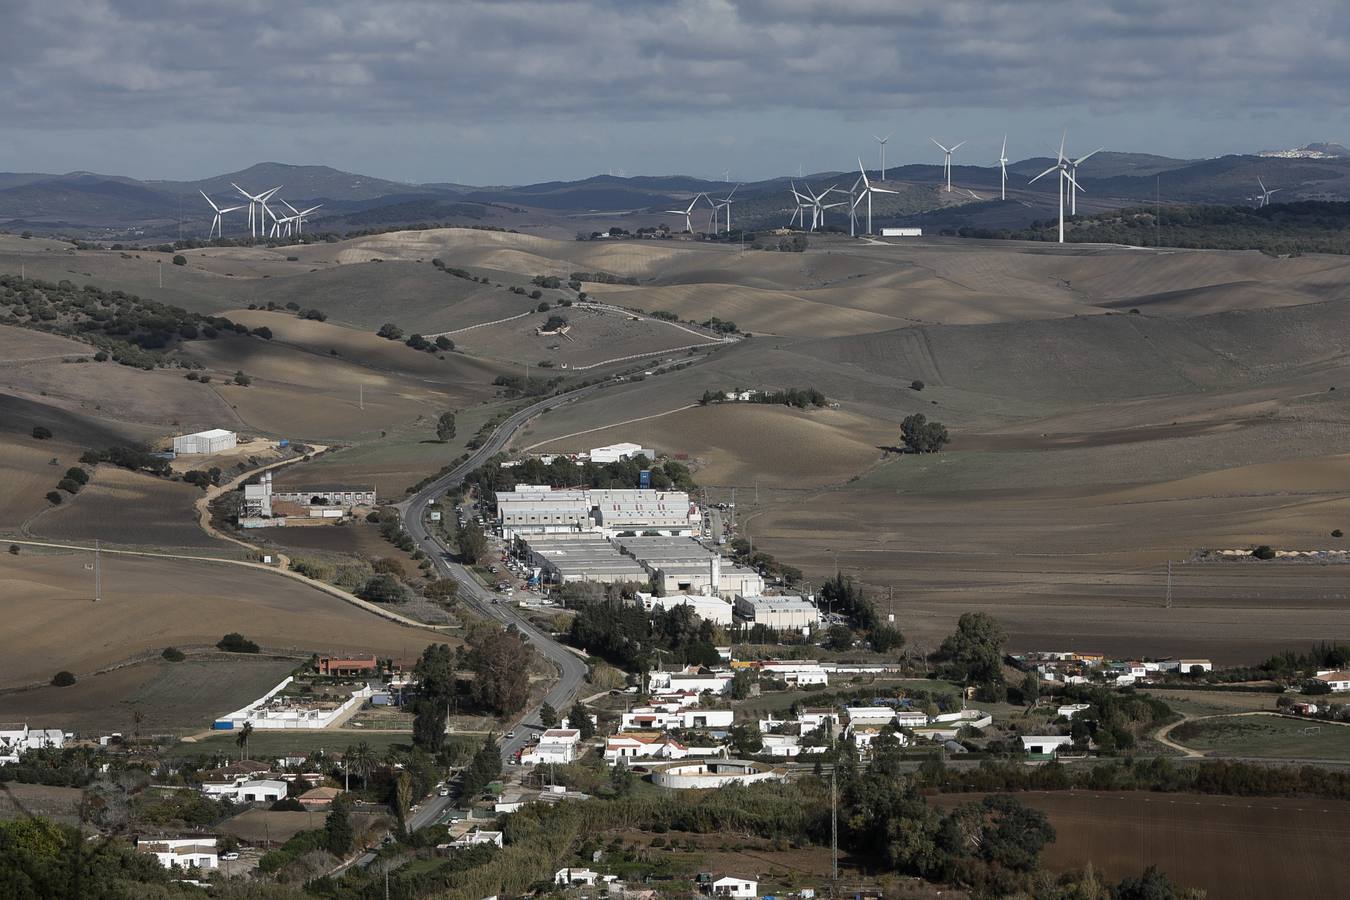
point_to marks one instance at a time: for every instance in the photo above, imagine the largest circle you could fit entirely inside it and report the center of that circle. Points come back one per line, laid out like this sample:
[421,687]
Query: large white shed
[213,441]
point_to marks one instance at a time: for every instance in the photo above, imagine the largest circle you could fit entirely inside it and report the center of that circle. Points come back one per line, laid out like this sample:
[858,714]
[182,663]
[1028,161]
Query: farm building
[778,613]
[216,440]
[798,672]
[246,790]
[731,886]
[472,839]
[692,679]
[616,452]
[265,504]
[16,738]
[902,232]
[683,565]
[197,852]
[348,668]
[582,557]
[1046,744]
[711,609]
[1337,680]
[556,745]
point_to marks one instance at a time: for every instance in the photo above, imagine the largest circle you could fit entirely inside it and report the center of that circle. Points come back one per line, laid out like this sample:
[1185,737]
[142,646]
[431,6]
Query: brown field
[130,509]
[27,475]
[1244,848]
[59,804]
[171,697]
[150,603]
[259,826]
[21,345]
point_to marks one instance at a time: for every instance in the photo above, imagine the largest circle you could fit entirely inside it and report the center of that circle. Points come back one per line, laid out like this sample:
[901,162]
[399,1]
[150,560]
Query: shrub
[1264,552]
[101,356]
[1336,532]
[173,654]
[241,379]
[179,260]
[14,548]
[69,485]
[75,473]
[234,642]
[42,432]
[916,385]
[54,498]
[543,307]
[63,679]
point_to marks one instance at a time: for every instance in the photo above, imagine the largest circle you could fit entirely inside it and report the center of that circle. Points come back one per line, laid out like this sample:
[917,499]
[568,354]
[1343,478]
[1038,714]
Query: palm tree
[136,718]
[362,761]
[242,739]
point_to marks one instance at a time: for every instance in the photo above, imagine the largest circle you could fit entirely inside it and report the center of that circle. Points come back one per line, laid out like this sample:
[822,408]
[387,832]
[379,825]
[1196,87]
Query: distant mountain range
[87,204]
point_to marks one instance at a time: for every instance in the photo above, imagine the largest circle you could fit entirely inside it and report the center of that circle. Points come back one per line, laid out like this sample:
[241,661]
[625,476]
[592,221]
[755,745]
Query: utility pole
[161,273]
[834,834]
[1167,601]
[1157,210]
[98,572]
[361,396]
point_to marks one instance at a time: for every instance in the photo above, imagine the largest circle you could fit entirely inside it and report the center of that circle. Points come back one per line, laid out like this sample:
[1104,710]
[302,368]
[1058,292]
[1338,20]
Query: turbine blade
[954,149]
[1045,173]
[1080,160]
[943,149]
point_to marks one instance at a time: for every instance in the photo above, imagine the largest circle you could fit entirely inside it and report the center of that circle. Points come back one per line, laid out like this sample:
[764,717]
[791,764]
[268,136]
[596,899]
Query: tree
[435,672]
[242,739]
[382,588]
[54,498]
[173,654]
[472,544]
[1031,688]
[429,717]
[443,590]
[76,474]
[234,642]
[1264,552]
[360,761]
[885,638]
[241,379]
[403,797]
[485,766]
[445,427]
[338,833]
[63,679]
[839,638]
[974,652]
[179,259]
[922,436]
[916,385]
[580,719]
[741,683]
[621,778]
[548,716]
[746,740]
[41,432]
[390,331]
[500,661]
[444,343]
[1152,885]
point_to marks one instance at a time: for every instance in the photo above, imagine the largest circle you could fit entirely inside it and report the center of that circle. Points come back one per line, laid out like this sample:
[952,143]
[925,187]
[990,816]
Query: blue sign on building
[645,478]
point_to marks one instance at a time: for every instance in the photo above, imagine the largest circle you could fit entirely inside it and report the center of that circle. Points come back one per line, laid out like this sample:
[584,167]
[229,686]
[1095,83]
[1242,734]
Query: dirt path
[611,425]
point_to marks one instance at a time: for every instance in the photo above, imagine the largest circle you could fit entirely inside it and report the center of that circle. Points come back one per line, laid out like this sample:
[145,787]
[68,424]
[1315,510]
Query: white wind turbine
[1265,192]
[881,143]
[217,223]
[867,191]
[257,208]
[687,212]
[798,214]
[947,161]
[297,217]
[1073,170]
[1062,166]
[818,207]
[1003,170]
[725,203]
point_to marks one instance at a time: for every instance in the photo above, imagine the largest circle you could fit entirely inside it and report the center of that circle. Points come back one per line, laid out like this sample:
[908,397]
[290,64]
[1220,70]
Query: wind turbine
[687,213]
[256,221]
[297,217]
[799,214]
[1003,170]
[881,143]
[1265,192]
[217,225]
[725,203]
[818,208]
[947,161]
[868,191]
[1062,167]
[1073,170]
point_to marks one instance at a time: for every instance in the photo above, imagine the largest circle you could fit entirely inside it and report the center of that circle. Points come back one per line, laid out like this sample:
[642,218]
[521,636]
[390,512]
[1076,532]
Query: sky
[512,93]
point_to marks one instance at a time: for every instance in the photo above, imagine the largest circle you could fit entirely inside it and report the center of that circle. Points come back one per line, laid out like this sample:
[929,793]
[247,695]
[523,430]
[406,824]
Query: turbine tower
[818,207]
[688,212]
[725,203]
[1062,167]
[868,191]
[1073,170]
[1003,170]
[947,161]
[296,218]
[881,143]
[1265,192]
[798,214]
[257,209]
[217,224]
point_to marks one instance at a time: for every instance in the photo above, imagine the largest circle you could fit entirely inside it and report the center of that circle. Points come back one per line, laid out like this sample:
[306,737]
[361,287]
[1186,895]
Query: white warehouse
[216,440]
[710,609]
[778,613]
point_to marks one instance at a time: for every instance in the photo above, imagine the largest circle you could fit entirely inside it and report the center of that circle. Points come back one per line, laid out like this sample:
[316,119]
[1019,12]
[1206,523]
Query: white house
[472,839]
[802,673]
[215,440]
[1190,666]
[650,717]
[246,790]
[870,715]
[575,877]
[1046,744]
[182,853]
[785,745]
[556,745]
[1337,680]
[16,738]
[731,886]
[690,679]
[643,745]
[909,718]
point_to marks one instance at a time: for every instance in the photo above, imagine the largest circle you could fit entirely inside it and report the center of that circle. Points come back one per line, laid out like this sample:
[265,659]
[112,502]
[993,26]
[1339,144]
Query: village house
[691,678]
[319,798]
[1046,745]
[556,746]
[198,852]
[471,839]
[575,877]
[733,887]
[1336,679]
[246,790]
[662,717]
[348,668]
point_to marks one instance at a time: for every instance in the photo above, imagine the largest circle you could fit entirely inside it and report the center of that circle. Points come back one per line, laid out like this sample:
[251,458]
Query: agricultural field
[1245,848]
[60,804]
[128,509]
[262,827]
[27,472]
[1265,736]
[171,697]
[150,603]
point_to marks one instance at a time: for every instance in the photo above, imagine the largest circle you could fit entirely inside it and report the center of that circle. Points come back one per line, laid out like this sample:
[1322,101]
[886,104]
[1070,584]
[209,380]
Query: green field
[1266,736]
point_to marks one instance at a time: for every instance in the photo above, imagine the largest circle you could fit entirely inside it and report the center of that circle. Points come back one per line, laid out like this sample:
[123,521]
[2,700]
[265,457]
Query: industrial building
[216,440]
[710,609]
[902,232]
[777,613]
[683,565]
[616,452]
[265,504]
[566,558]
[538,509]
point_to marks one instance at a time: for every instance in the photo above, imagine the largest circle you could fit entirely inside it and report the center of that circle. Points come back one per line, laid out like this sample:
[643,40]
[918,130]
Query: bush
[69,485]
[173,654]
[54,498]
[234,642]
[180,260]
[916,385]
[241,379]
[63,679]
[14,548]
[1264,552]
[42,432]
[75,473]
[287,804]
[1336,532]
[382,588]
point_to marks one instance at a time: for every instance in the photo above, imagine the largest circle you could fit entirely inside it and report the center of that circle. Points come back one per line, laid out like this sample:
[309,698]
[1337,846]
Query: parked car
[228,857]
[444,792]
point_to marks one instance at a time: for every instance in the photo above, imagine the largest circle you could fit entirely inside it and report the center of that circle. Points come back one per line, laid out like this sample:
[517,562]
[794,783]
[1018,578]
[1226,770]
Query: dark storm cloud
[75,63]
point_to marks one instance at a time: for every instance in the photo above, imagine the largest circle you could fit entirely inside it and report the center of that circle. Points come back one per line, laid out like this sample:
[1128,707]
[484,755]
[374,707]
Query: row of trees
[497,663]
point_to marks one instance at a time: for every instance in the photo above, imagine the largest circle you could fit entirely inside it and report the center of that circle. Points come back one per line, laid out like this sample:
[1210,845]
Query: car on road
[444,792]
[493,569]
[510,734]
[229,857]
